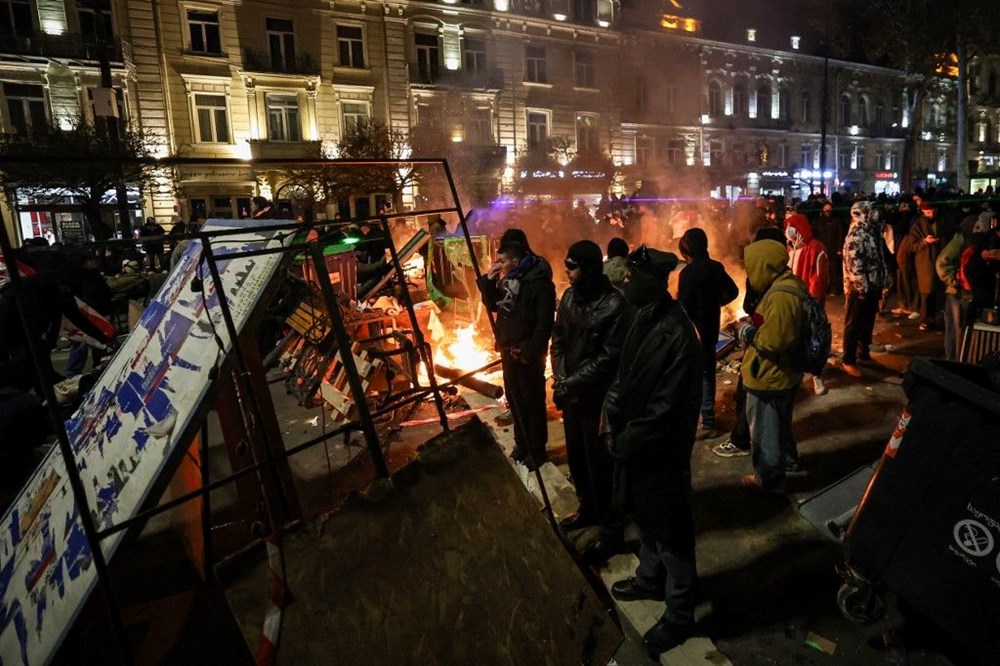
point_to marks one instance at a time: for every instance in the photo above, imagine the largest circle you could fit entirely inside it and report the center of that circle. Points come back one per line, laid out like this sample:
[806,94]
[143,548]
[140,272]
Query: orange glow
[464,351]
[683,23]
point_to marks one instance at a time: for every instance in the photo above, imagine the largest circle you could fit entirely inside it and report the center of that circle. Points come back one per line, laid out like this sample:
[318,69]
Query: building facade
[623,93]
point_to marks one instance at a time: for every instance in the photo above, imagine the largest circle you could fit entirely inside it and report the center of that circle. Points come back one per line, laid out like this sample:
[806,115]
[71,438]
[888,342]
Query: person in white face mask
[807,257]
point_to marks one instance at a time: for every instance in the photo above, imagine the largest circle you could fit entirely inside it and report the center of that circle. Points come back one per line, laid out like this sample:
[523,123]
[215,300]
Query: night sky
[775,20]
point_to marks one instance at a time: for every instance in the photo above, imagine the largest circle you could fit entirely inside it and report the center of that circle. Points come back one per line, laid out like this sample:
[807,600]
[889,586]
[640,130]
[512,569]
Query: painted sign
[123,434]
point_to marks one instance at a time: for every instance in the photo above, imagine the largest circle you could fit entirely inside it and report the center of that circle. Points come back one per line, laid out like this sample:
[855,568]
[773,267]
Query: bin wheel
[859,604]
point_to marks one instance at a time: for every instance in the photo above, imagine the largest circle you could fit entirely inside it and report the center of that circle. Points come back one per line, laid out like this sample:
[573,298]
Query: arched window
[714,99]
[845,111]
[880,115]
[764,100]
[783,93]
[991,87]
[805,107]
[863,111]
[739,100]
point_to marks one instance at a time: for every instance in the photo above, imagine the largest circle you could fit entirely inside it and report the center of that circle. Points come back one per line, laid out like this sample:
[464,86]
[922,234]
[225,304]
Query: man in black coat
[650,418]
[586,344]
[520,290]
[703,288]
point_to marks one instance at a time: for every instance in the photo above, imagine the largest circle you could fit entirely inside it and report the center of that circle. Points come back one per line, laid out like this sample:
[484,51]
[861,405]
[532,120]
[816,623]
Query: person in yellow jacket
[770,369]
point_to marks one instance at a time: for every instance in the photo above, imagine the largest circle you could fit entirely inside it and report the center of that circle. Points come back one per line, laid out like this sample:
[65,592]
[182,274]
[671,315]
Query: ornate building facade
[642,94]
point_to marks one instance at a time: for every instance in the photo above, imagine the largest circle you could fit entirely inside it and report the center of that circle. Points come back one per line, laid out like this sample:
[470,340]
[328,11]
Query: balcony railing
[67,45]
[486,78]
[275,63]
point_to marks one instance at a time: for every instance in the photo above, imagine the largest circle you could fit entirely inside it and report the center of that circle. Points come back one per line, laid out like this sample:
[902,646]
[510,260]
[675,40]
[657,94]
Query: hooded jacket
[812,263]
[925,254]
[864,260]
[769,363]
[525,323]
[703,287]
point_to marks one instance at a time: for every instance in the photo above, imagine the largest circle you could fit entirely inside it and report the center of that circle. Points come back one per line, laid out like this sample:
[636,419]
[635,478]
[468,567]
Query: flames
[464,350]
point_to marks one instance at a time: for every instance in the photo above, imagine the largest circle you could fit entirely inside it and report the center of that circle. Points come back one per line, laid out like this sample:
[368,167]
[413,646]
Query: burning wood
[470,382]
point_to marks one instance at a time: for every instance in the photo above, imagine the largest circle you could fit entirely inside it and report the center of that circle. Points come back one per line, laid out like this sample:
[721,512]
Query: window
[783,103]
[845,111]
[935,118]
[644,147]
[942,159]
[806,156]
[738,154]
[670,99]
[863,111]
[538,129]
[880,159]
[764,100]
[212,117]
[95,22]
[587,141]
[714,99]
[350,46]
[739,100]
[584,11]
[892,160]
[641,95]
[15,18]
[281,43]
[844,158]
[880,115]
[203,32]
[781,155]
[428,68]
[675,151]
[714,152]
[475,56]
[805,107]
[991,87]
[26,107]
[857,157]
[583,69]
[479,127]
[534,65]
[353,114]
[283,117]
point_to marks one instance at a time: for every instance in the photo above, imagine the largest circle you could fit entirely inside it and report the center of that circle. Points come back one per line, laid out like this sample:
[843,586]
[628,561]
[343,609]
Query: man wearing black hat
[586,344]
[520,290]
[650,418]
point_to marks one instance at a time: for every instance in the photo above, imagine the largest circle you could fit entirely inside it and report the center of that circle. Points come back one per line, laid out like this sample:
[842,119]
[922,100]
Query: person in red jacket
[808,260]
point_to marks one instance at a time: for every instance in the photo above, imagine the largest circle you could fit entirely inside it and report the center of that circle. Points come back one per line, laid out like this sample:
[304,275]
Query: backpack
[816,337]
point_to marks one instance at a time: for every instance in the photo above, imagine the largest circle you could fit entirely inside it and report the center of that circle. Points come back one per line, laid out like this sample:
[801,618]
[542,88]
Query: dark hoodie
[703,288]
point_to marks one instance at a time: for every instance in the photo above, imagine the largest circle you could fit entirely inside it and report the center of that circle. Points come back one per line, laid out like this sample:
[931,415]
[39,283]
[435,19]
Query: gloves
[559,394]
[745,332]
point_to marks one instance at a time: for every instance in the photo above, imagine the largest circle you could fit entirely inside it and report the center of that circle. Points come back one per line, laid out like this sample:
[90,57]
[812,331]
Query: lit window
[283,117]
[583,69]
[212,115]
[534,65]
[354,113]
[26,108]
[587,133]
[538,129]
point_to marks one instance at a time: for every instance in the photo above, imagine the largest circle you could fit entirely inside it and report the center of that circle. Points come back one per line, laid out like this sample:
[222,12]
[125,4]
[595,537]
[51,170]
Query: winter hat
[694,243]
[587,254]
[516,240]
[652,261]
[769,233]
[617,247]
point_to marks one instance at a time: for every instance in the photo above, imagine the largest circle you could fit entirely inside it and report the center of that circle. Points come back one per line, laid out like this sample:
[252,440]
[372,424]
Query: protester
[90,287]
[703,288]
[926,244]
[586,346]
[808,260]
[830,230]
[769,367]
[151,232]
[865,277]
[520,290]
[263,210]
[614,267]
[651,414]
[958,296]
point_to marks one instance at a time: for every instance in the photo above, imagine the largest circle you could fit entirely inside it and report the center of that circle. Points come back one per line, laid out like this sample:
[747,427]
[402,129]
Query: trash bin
[928,524]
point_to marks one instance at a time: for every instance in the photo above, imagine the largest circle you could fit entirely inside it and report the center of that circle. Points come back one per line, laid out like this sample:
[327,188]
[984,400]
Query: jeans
[770,418]
[675,568]
[77,360]
[955,307]
[708,391]
[740,436]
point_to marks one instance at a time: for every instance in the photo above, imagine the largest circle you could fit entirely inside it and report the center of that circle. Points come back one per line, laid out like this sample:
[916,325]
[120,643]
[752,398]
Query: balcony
[489,78]
[274,63]
[285,150]
[74,46]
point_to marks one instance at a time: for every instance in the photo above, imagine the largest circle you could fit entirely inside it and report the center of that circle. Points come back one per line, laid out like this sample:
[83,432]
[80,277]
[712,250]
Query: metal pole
[347,359]
[241,364]
[206,507]
[418,335]
[65,448]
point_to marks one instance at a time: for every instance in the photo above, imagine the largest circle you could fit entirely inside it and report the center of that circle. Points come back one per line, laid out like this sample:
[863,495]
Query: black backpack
[816,337]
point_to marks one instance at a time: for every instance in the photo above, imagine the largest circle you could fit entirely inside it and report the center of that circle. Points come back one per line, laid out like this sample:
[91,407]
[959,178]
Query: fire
[464,351]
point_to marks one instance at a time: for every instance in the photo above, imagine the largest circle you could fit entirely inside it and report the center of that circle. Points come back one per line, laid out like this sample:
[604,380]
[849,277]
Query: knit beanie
[586,253]
[617,247]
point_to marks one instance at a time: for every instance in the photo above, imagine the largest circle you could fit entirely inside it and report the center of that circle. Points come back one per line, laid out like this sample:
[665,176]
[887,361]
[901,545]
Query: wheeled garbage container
[928,524]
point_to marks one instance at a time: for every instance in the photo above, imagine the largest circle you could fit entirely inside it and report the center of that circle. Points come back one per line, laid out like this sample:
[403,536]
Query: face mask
[642,289]
[792,234]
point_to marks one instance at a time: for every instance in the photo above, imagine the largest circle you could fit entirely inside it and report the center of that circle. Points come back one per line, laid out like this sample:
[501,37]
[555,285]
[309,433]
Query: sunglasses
[571,265]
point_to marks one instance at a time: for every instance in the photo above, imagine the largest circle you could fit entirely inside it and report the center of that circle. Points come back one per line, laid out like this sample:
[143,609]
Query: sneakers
[914,315]
[707,433]
[852,370]
[729,450]
[819,388]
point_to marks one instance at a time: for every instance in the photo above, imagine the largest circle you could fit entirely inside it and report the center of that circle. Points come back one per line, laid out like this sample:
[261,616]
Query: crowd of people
[634,366]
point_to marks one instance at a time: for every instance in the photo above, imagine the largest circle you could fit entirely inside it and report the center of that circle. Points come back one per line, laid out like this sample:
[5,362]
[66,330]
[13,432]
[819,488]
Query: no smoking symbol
[973,537]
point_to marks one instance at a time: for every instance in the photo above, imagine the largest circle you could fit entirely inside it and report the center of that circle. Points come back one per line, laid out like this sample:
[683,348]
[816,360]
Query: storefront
[776,184]
[886,182]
